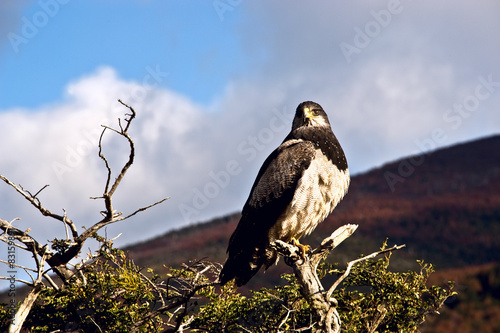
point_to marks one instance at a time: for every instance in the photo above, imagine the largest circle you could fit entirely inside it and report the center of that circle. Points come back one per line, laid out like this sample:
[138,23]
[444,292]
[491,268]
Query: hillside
[476,308]
[446,209]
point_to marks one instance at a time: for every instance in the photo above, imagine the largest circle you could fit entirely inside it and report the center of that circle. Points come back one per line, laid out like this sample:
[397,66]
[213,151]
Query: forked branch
[353,262]
[123,132]
[305,270]
[67,249]
[35,201]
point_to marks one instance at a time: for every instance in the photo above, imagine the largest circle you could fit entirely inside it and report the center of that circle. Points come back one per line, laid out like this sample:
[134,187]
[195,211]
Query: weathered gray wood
[311,288]
[25,308]
[305,270]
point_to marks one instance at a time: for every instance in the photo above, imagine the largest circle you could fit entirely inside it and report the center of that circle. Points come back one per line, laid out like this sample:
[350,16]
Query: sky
[215,85]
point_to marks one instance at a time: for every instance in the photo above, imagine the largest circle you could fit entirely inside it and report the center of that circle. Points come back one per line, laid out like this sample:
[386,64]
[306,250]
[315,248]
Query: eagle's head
[310,114]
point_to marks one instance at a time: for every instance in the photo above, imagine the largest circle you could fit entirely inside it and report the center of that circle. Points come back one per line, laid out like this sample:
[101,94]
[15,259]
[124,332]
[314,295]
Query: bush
[117,297]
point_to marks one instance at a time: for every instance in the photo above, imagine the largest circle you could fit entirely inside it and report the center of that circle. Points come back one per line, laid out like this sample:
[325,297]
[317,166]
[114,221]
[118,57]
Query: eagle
[296,188]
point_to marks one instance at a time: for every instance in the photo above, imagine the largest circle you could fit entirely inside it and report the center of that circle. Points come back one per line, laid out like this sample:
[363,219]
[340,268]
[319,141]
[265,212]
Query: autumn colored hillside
[476,308]
[444,205]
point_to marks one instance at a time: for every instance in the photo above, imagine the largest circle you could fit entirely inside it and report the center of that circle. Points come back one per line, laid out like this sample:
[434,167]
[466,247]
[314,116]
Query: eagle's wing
[271,193]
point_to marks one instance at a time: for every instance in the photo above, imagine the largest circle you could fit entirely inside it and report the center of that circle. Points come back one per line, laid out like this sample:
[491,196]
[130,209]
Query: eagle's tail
[241,266]
[248,251]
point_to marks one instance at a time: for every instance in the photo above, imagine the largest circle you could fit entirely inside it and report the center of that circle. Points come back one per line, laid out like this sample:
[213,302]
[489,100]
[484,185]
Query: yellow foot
[304,249]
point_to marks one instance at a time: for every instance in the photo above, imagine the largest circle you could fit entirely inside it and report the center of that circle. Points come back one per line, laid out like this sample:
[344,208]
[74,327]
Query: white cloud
[57,145]
[198,156]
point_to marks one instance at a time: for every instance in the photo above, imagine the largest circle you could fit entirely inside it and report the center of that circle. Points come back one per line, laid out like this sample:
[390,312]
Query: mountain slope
[446,207]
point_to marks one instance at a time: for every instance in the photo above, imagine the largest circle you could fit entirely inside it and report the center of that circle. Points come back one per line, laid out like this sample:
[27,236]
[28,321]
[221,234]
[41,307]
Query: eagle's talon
[304,249]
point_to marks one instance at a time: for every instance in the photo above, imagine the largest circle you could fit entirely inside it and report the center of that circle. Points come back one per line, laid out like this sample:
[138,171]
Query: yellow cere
[307,112]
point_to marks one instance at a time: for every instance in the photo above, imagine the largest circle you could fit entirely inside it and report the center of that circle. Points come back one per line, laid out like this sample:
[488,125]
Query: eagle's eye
[309,113]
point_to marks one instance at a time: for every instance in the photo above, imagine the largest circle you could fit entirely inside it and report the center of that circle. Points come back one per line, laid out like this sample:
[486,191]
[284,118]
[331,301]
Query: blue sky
[215,89]
[58,43]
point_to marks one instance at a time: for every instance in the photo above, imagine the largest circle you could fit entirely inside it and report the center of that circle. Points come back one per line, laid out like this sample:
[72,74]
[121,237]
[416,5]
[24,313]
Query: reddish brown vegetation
[476,308]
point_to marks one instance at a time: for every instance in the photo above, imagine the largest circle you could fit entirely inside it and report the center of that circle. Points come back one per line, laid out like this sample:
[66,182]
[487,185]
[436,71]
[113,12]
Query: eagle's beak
[307,113]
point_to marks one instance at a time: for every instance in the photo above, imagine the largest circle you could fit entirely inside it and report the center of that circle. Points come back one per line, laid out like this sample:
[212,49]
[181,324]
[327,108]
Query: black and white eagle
[297,187]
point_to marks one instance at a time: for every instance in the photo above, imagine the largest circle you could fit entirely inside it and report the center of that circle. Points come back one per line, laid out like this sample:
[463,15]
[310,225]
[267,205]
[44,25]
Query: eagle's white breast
[319,190]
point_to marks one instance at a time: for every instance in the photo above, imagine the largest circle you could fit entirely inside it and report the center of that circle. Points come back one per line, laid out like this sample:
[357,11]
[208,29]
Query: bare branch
[5,239]
[114,218]
[23,237]
[33,199]
[109,214]
[132,115]
[31,276]
[18,266]
[155,287]
[51,282]
[59,261]
[143,209]
[126,166]
[25,307]
[106,163]
[37,193]
[17,280]
[288,311]
[337,237]
[353,262]
[45,212]
[305,270]
[71,225]
[122,132]
[93,321]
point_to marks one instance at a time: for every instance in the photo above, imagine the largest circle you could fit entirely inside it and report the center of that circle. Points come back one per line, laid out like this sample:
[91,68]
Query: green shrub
[111,294]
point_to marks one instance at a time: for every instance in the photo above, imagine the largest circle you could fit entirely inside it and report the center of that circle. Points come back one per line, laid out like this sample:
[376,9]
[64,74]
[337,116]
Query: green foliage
[268,310]
[371,289]
[60,245]
[111,294]
[6,312]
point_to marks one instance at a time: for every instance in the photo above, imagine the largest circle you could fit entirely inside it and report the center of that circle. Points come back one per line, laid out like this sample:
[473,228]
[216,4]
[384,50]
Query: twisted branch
[305,270]
[59,261]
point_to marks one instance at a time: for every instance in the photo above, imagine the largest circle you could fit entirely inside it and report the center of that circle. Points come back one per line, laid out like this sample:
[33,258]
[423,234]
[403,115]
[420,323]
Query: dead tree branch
[33,199]
[177,295]
[70,247]
[353,262]
[25,307]
[305,270]
[110,215]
